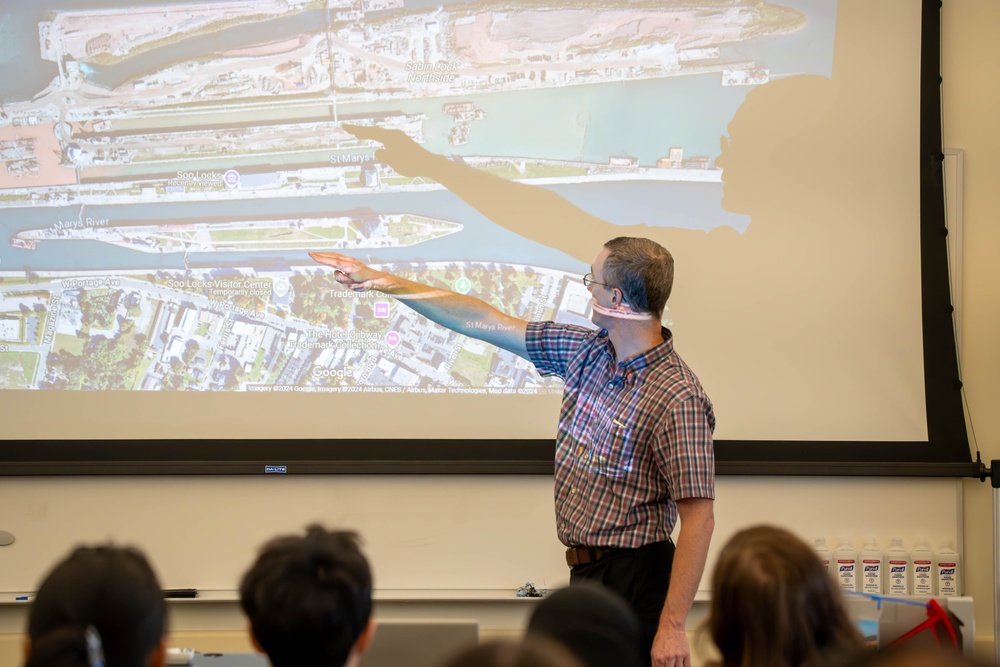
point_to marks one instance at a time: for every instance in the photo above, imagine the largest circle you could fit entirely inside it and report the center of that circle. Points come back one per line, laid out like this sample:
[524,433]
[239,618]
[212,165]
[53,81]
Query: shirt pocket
[612,450]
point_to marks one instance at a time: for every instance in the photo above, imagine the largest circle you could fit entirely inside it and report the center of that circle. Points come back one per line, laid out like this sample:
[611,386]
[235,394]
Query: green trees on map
[315,302]
[98,309]
[105,363]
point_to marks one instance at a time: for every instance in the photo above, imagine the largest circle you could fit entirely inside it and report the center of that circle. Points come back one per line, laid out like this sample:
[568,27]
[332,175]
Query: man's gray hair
[643,270]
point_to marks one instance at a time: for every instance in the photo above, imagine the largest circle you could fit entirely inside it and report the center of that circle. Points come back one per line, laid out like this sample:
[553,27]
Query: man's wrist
[671,623]
[672,626]
[386,283]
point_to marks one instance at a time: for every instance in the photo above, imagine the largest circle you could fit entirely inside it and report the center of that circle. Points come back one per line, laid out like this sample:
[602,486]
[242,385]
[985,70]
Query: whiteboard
[455,536]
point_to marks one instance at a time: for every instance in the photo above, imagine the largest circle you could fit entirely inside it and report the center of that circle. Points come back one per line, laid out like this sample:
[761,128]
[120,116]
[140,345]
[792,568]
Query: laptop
[396,642]
[418,643]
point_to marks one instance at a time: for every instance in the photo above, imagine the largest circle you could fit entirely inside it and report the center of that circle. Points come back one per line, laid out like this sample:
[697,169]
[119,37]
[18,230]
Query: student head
[593,622]
[773,603]
[533,652]
[100,600]
[309,599]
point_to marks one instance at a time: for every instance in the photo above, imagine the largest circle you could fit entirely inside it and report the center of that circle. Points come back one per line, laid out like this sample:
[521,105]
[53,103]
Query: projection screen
[168,166]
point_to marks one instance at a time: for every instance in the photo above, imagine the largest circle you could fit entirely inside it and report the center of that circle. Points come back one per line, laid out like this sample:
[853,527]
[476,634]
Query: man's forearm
[461,313]
[689,564]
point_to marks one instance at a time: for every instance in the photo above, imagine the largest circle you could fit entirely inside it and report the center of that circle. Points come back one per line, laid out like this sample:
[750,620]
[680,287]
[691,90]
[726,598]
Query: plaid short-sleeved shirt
[633,437]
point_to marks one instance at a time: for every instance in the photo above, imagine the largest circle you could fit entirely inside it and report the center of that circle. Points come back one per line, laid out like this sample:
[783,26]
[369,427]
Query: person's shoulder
[674,375]
[551,325]
[564,332]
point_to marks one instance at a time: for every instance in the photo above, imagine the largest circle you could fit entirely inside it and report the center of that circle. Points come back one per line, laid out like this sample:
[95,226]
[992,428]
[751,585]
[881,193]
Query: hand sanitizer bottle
[846,559]
[871,568]
[947,571]
[923,577]
[824,554]
[898,569]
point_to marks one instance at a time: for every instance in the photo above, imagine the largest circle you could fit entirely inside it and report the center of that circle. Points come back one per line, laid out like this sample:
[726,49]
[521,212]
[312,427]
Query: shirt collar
[648,358]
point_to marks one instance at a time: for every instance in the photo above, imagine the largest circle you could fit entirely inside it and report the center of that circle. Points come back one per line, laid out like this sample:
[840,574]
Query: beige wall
[971,103]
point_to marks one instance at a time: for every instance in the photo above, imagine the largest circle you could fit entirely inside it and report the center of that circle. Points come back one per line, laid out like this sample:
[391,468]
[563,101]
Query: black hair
[308,598]
[596,624]
[110,592]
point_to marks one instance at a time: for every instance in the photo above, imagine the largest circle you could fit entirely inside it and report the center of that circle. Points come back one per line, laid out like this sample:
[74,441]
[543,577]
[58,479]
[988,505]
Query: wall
[423,533]
[971,98]
[442,547]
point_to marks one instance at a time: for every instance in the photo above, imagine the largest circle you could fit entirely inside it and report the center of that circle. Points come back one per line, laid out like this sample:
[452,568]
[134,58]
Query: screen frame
[945,453]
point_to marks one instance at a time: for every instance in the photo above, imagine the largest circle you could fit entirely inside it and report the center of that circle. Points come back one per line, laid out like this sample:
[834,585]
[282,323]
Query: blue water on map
[641,119]
[659,204]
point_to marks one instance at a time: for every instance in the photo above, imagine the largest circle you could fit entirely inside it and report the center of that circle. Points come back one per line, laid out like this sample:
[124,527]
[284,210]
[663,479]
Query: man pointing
[634,447]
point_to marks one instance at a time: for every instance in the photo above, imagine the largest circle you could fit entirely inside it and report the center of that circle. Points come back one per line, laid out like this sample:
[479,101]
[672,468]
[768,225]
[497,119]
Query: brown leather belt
[583,555]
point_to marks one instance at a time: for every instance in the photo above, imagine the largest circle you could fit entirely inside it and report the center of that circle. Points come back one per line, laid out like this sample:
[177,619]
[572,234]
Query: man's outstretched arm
[463,314]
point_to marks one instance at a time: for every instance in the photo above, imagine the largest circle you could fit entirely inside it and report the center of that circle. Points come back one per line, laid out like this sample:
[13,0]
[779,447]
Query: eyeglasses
[588,280]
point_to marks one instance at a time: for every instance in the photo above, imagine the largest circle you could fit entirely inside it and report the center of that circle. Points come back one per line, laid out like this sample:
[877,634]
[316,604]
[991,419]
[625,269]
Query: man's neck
[630,337]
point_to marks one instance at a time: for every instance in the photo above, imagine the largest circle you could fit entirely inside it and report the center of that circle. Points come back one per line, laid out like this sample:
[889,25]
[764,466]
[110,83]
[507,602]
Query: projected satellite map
[167,168]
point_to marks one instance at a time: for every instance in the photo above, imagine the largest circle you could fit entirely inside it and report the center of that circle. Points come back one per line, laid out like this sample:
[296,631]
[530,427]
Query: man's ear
[253,639]
[365,638]
[158,657]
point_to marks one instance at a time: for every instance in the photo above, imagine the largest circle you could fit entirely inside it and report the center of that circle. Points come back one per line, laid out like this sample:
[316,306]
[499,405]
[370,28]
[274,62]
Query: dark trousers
[641,576]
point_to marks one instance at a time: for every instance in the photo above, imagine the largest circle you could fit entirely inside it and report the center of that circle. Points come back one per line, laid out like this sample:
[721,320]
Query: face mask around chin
[623,313]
